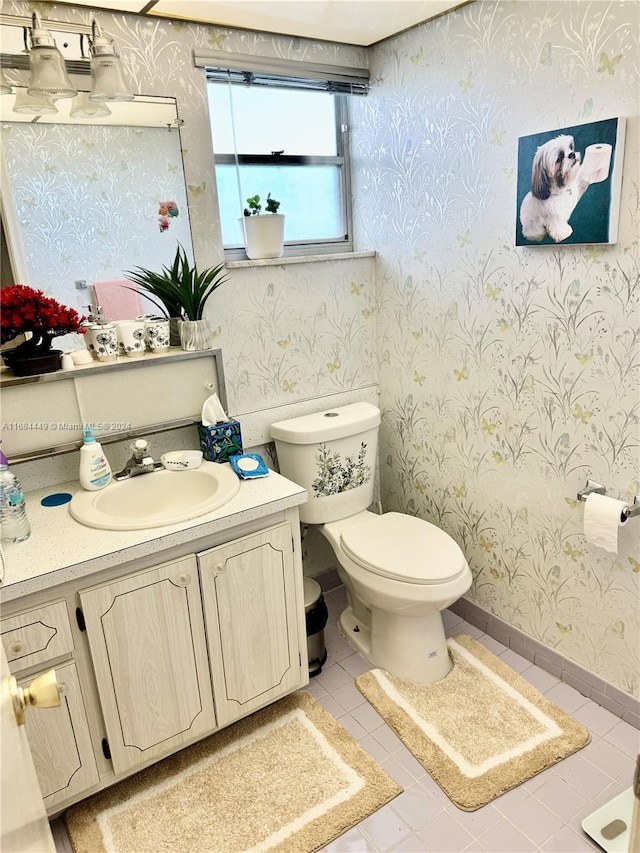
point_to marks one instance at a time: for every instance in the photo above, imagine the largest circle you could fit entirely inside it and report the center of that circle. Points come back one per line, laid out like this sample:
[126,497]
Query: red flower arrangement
[26,310]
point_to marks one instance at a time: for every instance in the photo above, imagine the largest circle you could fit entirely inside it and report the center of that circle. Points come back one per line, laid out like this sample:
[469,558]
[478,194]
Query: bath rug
[287,778]
[480,731]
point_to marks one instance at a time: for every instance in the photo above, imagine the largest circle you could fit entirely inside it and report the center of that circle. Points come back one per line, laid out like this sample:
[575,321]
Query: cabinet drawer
[37,636]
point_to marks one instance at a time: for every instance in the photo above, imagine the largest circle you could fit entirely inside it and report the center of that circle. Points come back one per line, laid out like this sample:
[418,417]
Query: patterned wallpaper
[509,375]
[288,333]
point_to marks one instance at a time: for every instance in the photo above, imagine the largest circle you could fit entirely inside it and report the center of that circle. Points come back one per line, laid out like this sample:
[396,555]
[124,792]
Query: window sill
[299,259]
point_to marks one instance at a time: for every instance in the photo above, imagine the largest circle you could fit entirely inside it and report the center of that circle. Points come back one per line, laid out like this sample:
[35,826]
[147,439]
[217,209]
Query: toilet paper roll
[595,166]
[603,519]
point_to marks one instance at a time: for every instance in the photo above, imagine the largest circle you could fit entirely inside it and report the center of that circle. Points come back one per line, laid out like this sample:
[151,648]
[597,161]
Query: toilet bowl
[399,571]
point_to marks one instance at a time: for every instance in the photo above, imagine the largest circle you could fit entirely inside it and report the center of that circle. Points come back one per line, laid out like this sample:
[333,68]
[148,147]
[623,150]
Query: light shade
[107,77]
[82,107]
[35,105]
[48,71]
[5,86]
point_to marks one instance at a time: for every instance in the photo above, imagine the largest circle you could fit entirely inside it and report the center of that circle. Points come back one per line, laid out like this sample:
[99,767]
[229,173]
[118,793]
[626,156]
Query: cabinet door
[252,618]
[60,742]
[146,635]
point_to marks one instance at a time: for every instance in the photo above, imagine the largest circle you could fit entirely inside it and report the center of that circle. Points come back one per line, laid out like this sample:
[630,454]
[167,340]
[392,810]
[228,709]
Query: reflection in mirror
[87,198]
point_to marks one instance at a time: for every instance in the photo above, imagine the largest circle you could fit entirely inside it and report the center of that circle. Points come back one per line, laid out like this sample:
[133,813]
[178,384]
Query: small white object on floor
[610,825]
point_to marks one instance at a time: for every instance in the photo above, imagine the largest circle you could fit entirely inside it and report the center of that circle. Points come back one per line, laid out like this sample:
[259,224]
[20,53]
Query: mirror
[84,199]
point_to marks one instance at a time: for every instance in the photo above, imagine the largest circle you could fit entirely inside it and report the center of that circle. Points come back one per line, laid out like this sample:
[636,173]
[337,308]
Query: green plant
[179,290]
[254,207]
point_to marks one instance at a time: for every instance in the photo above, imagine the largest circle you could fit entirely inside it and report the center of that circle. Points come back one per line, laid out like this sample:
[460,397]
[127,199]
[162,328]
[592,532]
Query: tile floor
[542,815]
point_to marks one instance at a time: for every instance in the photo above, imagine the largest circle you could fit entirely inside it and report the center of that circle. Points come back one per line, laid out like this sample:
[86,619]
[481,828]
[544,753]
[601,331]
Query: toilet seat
[402,547]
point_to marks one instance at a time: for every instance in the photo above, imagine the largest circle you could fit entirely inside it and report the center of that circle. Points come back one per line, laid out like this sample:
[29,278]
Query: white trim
[11,226]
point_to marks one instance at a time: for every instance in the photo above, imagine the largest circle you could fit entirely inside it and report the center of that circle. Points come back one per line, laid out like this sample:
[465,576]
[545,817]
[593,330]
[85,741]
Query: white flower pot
[263,235]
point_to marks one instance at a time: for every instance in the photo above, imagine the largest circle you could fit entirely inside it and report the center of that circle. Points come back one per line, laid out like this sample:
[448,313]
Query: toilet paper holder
[592,487]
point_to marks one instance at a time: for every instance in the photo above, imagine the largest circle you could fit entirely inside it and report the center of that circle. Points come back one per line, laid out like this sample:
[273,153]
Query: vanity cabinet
[249,597]
[35,641]
[157,650]
[147,642]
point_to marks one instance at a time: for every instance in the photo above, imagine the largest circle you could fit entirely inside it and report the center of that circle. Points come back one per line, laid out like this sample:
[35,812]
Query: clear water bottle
[14,524]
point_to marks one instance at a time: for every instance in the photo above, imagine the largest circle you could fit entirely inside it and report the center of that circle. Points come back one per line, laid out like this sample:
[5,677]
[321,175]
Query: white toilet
[400,572]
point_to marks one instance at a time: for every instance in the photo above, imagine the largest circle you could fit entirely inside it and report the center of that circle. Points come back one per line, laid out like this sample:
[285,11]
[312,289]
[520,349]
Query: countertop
[61,549]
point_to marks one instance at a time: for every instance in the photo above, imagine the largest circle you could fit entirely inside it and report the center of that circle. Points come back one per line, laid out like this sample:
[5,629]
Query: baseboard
[621,704]
[328,580]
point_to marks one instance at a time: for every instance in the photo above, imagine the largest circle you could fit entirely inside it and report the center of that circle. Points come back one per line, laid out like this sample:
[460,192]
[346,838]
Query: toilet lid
[405,548]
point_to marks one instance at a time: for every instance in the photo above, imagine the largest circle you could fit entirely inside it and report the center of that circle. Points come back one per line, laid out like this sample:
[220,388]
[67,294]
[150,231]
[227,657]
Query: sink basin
[153,500]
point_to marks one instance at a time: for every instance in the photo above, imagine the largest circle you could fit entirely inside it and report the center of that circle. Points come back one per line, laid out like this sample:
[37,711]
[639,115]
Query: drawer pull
[16,648]
[183,579]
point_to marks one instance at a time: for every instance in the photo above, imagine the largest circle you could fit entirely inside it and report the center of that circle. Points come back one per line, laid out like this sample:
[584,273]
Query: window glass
[310,198]
[269,120]
[288,143]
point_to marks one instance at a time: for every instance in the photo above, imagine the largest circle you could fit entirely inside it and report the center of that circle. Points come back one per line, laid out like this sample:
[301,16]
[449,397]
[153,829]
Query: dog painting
[569,184]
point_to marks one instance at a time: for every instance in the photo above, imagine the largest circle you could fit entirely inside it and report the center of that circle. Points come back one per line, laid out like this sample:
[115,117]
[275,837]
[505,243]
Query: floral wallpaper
[508,375]
[296,332]
[288,333]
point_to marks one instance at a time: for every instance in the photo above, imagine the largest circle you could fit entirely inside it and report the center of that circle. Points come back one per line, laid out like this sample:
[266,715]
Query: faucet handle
[139,448]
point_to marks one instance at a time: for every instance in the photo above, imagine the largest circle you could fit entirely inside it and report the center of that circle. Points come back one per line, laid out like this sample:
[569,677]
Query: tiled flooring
[543,814]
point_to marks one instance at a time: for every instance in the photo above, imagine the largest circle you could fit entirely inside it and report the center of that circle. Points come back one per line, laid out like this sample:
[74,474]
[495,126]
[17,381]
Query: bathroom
[505,374]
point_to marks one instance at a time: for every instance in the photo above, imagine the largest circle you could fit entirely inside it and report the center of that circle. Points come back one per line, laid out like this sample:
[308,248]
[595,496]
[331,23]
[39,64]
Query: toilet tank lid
[328,425]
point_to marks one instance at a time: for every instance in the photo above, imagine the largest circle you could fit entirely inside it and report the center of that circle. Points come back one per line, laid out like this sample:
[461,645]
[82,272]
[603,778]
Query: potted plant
[263,233]
[181,292]
[27,312]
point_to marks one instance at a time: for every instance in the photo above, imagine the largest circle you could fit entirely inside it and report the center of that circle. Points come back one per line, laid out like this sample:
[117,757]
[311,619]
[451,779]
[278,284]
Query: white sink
[156,499]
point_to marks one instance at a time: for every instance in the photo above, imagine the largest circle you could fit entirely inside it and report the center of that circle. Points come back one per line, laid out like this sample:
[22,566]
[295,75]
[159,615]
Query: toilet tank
[332,454]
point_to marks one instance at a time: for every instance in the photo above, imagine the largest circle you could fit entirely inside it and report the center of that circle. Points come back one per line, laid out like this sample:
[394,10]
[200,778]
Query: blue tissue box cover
[221,441]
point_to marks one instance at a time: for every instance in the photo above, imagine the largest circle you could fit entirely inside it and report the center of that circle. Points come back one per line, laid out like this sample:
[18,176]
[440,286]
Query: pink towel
[118,302]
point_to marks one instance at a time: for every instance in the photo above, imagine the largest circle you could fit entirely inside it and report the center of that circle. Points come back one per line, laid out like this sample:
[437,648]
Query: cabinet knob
[183,579]
[16,648]
[43,692]
[219,567]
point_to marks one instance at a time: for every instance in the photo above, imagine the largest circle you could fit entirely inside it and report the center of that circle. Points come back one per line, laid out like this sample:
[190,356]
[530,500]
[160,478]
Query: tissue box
[220,441]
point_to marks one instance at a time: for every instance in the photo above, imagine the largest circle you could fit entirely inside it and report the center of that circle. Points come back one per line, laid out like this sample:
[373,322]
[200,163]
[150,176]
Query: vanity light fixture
[107,77]
[49,77]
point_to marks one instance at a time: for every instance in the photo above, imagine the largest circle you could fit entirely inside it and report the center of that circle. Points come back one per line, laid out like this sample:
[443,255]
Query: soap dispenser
[95,471]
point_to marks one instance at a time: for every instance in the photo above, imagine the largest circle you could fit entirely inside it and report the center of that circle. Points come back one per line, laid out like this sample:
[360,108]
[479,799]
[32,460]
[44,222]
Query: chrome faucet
[141,461]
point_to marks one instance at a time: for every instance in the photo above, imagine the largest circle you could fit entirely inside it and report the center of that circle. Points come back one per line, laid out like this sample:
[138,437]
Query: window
[280,126]
[292,144]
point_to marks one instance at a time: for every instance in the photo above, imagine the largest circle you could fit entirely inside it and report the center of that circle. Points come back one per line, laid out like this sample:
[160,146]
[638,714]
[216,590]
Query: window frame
[301,248]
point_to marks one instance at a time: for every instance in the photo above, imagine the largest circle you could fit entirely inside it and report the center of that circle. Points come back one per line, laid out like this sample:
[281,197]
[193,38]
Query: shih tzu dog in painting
[556,188]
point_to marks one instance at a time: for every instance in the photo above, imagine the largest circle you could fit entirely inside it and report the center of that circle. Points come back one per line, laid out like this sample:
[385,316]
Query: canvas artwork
[569,184]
